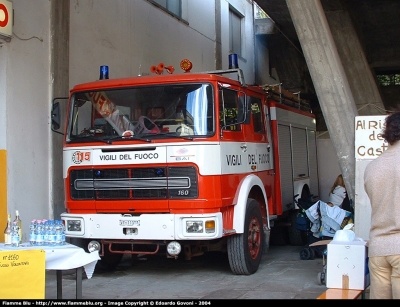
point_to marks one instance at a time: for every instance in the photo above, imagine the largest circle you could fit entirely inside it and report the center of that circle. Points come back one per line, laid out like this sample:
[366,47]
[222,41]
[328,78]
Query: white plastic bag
[346,234]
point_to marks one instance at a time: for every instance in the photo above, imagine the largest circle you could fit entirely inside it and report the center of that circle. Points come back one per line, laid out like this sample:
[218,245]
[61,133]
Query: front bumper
[143,227]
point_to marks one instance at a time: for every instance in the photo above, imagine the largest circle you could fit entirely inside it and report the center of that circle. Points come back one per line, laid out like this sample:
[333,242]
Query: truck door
[233,144]
[256,135]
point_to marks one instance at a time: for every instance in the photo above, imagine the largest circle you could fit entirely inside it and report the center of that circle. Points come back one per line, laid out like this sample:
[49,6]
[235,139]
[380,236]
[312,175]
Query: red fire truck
[184,164]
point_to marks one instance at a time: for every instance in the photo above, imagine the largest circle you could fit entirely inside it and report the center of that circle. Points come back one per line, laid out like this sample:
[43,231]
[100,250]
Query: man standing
[382,184]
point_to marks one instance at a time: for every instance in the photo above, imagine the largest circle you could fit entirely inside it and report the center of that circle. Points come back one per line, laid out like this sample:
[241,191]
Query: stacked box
[347,265]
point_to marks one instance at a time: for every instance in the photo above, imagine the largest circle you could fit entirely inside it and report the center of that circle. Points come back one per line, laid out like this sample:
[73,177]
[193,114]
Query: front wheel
[245,249]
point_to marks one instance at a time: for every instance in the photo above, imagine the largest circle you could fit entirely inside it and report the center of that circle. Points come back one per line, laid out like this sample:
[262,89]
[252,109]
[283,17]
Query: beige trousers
[385,277]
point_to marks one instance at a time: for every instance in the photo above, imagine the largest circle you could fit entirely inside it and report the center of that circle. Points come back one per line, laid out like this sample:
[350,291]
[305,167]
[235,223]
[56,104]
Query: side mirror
[55,116]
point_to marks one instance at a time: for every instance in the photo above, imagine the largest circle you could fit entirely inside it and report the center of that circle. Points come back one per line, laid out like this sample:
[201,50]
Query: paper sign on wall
[368,137]
[22,274]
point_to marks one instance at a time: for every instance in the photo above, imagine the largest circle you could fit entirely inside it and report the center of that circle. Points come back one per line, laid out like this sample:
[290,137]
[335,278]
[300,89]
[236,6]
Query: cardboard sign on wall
[22,274]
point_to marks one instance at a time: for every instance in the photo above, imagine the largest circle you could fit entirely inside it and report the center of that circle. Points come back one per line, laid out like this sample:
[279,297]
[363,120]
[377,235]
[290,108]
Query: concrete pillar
[59,53]
[330,81]
[359,74]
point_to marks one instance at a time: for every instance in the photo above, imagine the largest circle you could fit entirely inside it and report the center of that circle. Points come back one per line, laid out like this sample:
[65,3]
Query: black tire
[245,249]
[296,237]
[109,261]
[305,253]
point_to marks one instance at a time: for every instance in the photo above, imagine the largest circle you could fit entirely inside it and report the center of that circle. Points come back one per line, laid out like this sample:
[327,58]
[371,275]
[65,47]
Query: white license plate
[129,223]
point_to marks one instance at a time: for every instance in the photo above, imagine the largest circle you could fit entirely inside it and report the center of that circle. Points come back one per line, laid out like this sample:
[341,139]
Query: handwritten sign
[22,274]
[369,143]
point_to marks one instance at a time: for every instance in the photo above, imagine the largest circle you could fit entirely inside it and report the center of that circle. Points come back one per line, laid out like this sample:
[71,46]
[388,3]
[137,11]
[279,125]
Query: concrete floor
[281,275]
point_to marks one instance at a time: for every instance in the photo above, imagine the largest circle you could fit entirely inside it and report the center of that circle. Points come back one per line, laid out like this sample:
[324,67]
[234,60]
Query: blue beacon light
[233,61]
[103,72]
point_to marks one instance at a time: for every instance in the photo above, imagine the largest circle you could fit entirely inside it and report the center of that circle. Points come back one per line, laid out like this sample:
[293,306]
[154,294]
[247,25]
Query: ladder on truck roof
[275,92]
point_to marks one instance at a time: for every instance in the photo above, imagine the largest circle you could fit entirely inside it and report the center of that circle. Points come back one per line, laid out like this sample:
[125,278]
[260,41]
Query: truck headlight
[74,225]
[194,226]
[201,226]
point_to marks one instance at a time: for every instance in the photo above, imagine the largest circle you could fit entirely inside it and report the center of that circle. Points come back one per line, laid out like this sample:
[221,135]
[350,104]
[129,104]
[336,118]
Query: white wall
[362,214]
[3,93]
[246,61]
[134,35]
[26,101]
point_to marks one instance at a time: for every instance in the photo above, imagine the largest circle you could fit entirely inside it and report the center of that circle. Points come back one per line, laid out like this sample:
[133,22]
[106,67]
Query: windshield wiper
[88,138]
[128,138]
[144,138]
[172,135]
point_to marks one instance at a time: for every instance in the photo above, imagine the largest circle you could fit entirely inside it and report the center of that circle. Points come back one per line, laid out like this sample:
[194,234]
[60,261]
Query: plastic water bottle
[59,232]
[45,232]
[39,233]
[53,234]
[15,234]
[63,232]
[50,233]
[32,232]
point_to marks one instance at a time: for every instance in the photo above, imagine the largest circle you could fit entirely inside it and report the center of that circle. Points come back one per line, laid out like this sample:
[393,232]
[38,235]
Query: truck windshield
[176,110]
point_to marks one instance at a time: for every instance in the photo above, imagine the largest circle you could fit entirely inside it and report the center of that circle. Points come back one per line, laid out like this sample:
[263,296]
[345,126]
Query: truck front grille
[134,183]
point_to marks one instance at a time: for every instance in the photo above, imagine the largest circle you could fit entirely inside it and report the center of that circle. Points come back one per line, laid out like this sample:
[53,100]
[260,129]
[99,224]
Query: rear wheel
[245,249]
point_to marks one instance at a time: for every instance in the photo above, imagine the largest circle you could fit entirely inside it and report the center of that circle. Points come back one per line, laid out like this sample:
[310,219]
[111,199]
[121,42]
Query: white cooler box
[347,265]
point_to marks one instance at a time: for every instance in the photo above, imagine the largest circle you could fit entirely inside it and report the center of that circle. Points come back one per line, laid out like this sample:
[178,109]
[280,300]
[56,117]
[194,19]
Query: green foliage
[230,113]
[255,108]
[385,80]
